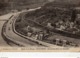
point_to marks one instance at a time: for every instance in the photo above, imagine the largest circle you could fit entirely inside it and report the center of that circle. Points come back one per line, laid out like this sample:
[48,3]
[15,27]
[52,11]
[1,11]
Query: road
[3,19]
[2,42]
[12,36]
[15,39]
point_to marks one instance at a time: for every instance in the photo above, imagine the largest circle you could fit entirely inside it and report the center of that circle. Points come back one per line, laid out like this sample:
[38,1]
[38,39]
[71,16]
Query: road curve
[18,40]
[3,19]
[21,40]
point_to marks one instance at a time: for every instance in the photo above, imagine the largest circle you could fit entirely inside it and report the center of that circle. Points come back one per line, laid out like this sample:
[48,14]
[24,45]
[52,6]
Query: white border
[38,55]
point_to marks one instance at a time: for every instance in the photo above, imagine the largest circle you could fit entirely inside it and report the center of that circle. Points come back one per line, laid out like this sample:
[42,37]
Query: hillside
[25,3]
[55,13]
[8,5]
[57,17]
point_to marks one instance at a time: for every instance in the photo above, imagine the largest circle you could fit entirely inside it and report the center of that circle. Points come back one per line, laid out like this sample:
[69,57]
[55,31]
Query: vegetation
[58,16]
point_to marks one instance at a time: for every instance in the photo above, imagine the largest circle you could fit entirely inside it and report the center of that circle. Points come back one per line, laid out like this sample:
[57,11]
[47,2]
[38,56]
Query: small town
[40,23]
